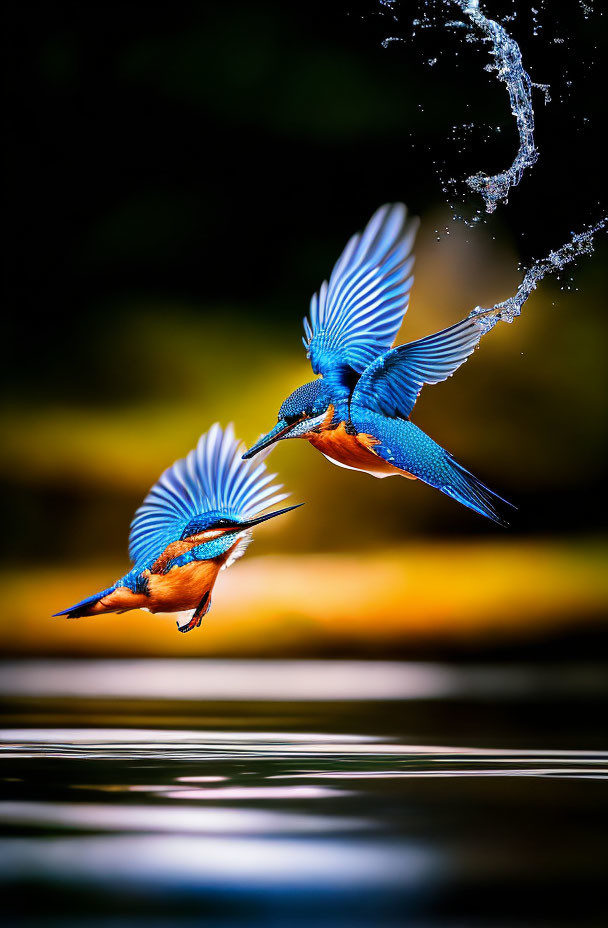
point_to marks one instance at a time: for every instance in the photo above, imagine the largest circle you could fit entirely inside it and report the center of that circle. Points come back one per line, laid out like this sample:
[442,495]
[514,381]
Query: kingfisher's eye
[295,417]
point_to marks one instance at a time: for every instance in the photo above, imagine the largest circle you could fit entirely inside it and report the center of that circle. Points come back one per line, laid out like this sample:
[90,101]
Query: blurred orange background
[365,567]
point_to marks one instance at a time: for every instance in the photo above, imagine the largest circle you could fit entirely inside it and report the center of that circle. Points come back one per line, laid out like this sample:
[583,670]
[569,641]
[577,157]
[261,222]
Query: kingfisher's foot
[197,616]
[193,623]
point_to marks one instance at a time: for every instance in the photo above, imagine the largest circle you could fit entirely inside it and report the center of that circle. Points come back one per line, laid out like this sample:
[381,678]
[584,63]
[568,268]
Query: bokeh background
[181,180]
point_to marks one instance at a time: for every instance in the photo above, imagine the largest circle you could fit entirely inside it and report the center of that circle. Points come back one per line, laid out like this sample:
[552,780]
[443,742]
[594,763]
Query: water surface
[302,793]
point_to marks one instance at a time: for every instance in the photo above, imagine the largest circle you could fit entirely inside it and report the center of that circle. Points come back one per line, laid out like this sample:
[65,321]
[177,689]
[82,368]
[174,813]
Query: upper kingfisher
[196,520]
[357,413]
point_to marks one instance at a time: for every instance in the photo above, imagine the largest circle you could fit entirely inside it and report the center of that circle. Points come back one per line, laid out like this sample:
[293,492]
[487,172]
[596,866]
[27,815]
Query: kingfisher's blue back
[357,413]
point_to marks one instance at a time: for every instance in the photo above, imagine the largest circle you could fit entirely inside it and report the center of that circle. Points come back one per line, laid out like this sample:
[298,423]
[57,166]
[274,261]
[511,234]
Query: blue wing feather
[211,478]
[356,316]
[392,383]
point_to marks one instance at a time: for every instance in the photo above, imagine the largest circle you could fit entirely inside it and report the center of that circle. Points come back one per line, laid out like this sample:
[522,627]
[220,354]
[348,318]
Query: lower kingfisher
[196,520]
[357,413]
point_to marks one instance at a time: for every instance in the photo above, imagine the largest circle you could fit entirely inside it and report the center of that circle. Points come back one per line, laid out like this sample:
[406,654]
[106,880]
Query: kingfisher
[195,521]
[357,412]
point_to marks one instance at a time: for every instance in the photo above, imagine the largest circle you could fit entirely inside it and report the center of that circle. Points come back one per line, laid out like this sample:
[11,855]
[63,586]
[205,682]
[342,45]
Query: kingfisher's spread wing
[392,383]
[357,315]
[211,478]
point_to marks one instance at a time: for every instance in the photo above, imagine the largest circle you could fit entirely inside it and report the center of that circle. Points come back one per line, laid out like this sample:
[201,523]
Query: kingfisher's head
[215,534]
[221,524]
[308,409]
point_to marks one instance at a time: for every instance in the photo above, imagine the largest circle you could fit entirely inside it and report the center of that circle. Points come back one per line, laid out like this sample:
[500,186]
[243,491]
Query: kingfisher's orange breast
[178,590]
[354,451]
[182,587]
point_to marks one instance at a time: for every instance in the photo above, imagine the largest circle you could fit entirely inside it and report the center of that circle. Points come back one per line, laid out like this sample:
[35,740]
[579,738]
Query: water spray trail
[505,50]
[580,244]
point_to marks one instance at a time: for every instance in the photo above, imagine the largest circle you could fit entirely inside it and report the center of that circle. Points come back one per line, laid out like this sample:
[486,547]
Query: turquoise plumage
[357,315]
[357,412]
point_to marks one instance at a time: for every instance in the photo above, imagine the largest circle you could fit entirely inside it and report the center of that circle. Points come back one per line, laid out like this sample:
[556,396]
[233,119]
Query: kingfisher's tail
[410,449]
[92,605]
[462,485]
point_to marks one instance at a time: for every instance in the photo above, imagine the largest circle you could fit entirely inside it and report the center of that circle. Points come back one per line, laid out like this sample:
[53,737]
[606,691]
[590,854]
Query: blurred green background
[180,181]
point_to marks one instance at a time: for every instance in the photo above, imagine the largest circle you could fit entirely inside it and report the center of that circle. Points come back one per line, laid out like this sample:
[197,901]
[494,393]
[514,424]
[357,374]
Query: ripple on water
[199,746]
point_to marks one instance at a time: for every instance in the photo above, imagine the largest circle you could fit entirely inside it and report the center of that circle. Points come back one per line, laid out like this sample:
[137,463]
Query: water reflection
[360,812]
[86,817]
[285,680]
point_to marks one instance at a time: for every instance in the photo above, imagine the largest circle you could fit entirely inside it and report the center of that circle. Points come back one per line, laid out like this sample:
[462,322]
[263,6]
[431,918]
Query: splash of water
[506,311]
[495,188]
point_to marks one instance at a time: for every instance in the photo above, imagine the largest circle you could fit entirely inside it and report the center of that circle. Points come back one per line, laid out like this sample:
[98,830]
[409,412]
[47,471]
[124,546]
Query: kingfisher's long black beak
[281,430]
[269,515]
